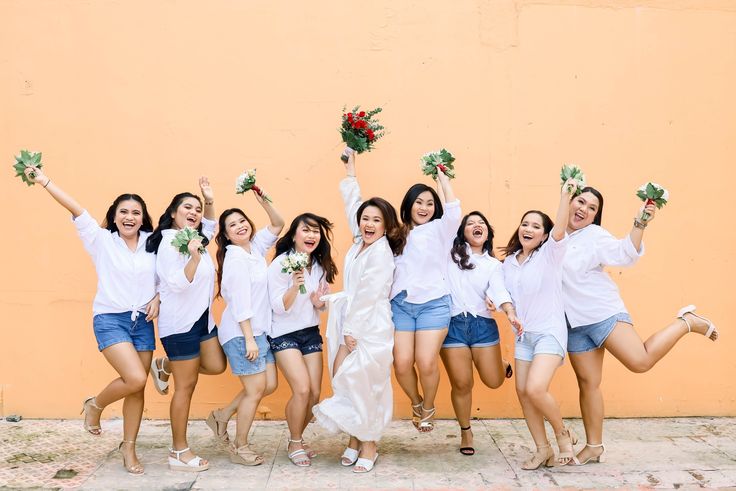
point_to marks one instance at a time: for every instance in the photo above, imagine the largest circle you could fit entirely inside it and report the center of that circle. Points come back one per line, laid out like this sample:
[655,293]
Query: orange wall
[146,96]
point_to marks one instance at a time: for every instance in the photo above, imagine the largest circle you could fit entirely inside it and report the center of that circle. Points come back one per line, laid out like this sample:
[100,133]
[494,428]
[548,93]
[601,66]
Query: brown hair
[395,232]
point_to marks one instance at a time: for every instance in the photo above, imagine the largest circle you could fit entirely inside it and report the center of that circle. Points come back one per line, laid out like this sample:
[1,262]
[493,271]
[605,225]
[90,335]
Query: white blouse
[245,288]
[182,302]
[536,288]
[589,293]
[469,287]
[302,313]
[126,280]
[421,269]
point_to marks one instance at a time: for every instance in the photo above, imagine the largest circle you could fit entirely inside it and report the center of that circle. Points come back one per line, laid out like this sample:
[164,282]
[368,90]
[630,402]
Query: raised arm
[277,221]
[563,210]
[444,188]
[350,191]
[209,199]
[637,231]
[55,191]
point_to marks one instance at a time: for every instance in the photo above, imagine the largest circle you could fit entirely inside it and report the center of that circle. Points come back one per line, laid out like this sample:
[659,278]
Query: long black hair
[109,221]
[411,196]
[222,241]
[599,214]
[459,251]
[395,233]
[514,242]
[322,254]
[166,221]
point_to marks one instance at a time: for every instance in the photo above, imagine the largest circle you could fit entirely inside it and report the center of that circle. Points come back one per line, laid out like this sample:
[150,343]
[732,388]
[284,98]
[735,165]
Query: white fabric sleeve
[278,283]
[170,267]
[497,288]
[374,280]
[236,281]
[450,220]
[89,231]
[350,191]
[263,240]
[610,251]
[208,228]
[554,250]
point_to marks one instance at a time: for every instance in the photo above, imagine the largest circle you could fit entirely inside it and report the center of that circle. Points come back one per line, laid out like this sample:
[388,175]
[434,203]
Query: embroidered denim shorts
[185,345]
[533,344]
[591,337]
[119,328]
[239,364]
[307,340]
[426,316]
[468,331]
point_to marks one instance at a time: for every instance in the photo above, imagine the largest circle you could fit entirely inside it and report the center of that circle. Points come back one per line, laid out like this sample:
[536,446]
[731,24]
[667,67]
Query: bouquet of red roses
[359,130]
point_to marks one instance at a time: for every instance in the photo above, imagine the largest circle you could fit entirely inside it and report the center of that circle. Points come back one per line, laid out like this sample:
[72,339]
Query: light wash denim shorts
[591,337]
[119,328]
[426,316]
[533,344]
[468,331]
[239,364]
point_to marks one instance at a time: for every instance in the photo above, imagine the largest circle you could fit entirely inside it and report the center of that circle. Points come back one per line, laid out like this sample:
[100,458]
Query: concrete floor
[642,453]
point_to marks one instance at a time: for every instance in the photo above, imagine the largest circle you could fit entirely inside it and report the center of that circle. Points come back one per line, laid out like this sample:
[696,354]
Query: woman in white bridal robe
[360,321]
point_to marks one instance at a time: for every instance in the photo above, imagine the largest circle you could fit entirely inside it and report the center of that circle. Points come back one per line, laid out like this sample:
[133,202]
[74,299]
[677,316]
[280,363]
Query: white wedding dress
[362,401]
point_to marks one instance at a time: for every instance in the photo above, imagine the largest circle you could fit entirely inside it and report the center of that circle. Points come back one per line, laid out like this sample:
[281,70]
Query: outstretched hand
[35,174]
[206,189]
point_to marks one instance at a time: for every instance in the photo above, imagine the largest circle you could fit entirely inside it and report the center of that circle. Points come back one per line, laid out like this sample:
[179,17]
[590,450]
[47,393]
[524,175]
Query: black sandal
[467,450]
[509,371]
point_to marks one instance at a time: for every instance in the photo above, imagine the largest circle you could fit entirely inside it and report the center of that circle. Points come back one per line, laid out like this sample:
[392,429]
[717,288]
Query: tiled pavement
[643,453]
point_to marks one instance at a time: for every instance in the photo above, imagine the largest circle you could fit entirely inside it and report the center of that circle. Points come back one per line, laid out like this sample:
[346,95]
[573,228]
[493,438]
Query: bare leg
[272,379]
[588,368]
[313,361]
[427,346]
[186,374]
[532,415]
[253,388]
[292,364]
[404,365]
[213,361]
[490,365]
[342,353]
[459,365]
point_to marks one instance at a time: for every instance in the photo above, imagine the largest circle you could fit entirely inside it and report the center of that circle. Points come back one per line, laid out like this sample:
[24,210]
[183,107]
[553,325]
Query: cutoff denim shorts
[468,331]
[185,345]
[428,316]
[591,337]
[119,328]
[307,340]
[239,364]
[533,344]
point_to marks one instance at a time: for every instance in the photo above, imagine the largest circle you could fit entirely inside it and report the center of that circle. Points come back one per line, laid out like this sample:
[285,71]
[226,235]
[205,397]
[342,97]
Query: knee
[427,364]
[463,387]
[494,383]
[535,393]
[639,366]
[301,393]
[403,366]
[185,387]
[271,388]
[136,383]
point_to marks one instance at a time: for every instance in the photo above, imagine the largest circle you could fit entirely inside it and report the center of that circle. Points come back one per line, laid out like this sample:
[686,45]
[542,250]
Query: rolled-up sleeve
[263,240]
[278,283]
[170,267]
[611,251]
[555,249]
[450,220]
[208,228]
[496,290]
[89,231]
[236,289]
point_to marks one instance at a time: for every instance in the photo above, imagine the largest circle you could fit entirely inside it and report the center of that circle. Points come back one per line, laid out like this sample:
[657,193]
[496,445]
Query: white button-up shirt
[421,269]
[245,288]
[589,293]
[469,287]
[536,288]
[183,302]
[126,280]
[302,313]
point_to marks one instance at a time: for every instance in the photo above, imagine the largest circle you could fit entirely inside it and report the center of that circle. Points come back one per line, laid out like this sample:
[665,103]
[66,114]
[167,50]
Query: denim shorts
[307,340]
[591,337]
[468,331]
[533,343]
[240,365]
[426,316]
[118,328]
[185,345]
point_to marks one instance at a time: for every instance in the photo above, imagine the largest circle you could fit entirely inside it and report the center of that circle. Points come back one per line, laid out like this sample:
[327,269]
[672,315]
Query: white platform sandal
[349,457]
[161,386]
[194,465]
[711,333]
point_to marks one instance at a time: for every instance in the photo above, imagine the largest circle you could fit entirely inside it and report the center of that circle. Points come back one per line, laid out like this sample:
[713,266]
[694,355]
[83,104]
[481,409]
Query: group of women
[417,284]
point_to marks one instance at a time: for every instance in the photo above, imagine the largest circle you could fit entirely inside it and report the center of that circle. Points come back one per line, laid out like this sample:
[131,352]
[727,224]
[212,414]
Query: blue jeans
[426,316]
[239,364]
[119,328]
[467,331]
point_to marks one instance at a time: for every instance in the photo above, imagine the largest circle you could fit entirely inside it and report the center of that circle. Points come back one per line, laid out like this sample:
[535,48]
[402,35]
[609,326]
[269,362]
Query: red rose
[361,114]
[363,124]
[350,117]
[370,134]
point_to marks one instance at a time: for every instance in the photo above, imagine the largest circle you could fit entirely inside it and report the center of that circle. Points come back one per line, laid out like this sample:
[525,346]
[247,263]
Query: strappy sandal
[543,456]
[365,465]
[509,370]
[467,450]
[566,439]
[600,458]
[193,465]
[162,386]
[427,423]
[244,456]
[311,453]
[135,469]
[89,404]
[711,333]
[349,457]
[299,457]
[214,424]
[416,413]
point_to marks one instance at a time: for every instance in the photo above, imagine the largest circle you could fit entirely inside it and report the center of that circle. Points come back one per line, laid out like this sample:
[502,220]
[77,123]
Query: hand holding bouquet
[572,172]
[294,262]
[23,161]
[652,193]
[247,181]
[182,239]
[359,130]
[441,160]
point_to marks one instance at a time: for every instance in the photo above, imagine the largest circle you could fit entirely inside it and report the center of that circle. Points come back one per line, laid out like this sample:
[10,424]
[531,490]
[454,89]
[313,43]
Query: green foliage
[24,160]
[182,239]
[442,160]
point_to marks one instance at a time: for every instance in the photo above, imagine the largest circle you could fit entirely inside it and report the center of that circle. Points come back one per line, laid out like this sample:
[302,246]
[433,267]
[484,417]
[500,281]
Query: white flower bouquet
[652,193]
[294,262]
[24,160]
[247,181]
[182,238]
[441,160]
[573,172]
